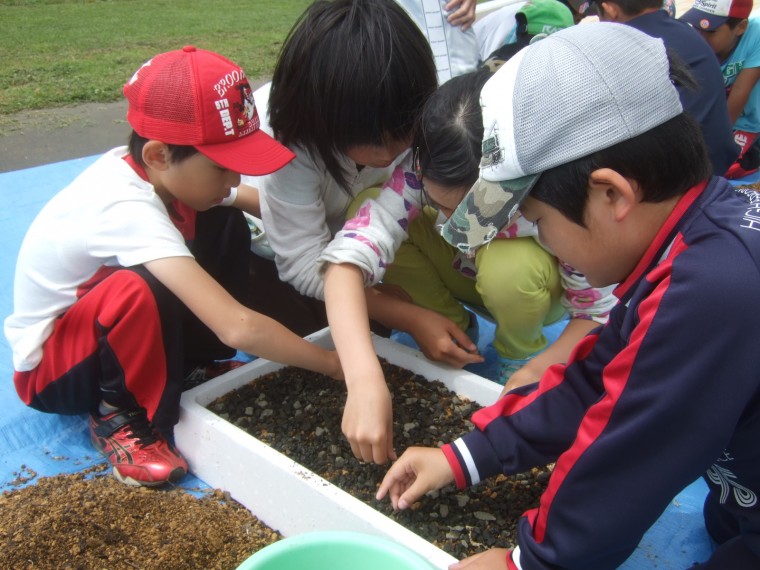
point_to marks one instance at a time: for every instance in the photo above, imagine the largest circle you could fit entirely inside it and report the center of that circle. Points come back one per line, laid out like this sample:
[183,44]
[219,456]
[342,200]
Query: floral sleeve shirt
[370,239]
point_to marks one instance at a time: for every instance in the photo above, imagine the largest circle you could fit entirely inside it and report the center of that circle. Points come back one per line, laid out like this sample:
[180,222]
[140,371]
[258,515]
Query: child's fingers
[369,452]
[419,470]
[413,492]
[391,451]
[459,356]
[460,13]
[393,484]
[461,339]
[399,476]
[380,451]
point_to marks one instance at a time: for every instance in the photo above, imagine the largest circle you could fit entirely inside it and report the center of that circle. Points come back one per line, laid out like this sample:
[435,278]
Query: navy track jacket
[667,391]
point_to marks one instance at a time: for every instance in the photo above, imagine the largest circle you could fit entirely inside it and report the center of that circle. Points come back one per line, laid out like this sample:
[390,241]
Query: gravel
[299,413]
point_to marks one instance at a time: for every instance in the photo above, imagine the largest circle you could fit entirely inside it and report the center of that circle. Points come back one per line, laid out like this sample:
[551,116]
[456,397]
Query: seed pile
[88,520]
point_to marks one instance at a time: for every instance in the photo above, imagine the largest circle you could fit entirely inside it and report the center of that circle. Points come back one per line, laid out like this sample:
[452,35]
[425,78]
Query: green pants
[517,283]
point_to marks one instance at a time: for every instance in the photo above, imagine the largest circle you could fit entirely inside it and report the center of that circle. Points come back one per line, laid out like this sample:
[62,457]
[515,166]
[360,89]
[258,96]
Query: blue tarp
[34,444]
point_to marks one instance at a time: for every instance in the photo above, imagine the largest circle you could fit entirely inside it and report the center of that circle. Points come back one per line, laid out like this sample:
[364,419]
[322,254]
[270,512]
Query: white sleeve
[371,238]
[295,218]
[132,234]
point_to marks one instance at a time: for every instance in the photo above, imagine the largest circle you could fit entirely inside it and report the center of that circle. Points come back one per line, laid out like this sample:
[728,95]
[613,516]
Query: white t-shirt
[303,207]
[107,216]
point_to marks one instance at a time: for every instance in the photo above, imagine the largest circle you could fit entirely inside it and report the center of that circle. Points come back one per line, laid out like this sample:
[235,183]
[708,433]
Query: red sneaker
[139,454]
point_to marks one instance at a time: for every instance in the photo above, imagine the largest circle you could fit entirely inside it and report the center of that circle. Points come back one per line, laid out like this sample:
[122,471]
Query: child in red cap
[136,272]
[735,38]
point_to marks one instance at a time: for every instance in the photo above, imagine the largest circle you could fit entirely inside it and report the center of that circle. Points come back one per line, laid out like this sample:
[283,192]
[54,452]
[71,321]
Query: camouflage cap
[487,207]
[555,101]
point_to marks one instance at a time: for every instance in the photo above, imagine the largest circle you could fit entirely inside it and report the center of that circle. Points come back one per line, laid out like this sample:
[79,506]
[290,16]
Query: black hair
[635,7]
[350,72]
[666,161]
[449,138]
[177,153]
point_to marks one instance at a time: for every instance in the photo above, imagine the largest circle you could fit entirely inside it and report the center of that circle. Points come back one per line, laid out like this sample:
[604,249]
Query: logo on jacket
[726,480]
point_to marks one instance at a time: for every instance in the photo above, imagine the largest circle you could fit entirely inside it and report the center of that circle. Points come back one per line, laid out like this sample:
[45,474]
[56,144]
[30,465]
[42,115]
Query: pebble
[482,516]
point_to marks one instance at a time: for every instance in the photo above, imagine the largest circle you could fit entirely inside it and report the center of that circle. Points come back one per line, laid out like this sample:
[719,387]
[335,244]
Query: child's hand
[493,559]
[463,13]
[419,470]
[522,377]
[441,340]
[368,423]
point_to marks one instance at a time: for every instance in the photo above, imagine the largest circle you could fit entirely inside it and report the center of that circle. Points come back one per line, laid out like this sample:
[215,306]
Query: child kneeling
[137,271]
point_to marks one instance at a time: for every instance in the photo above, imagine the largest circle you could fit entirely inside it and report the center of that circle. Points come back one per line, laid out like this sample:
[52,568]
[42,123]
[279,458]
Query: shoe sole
[174,476]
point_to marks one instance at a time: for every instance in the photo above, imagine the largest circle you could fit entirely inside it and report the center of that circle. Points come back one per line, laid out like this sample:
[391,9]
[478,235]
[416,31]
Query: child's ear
[741,27]
[611,11]
[156,155]
[614,191]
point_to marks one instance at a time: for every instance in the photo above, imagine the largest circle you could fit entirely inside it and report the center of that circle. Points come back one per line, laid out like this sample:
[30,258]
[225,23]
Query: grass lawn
[66,52]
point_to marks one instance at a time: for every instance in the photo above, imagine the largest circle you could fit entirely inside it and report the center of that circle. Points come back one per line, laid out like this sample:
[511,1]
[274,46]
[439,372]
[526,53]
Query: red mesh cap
[200,98]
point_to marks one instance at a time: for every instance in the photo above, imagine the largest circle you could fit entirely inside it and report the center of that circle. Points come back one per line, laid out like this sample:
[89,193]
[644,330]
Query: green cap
[543,17]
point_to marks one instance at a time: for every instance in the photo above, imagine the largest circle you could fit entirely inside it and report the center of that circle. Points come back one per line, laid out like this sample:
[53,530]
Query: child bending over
[345,96]
[602,158]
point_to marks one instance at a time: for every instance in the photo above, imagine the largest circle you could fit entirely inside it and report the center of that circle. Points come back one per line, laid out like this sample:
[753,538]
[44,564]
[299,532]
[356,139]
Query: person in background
[447,25]
[533,21]
[620,188]
[735,38]
[138,268]
[460,13]
[707,103]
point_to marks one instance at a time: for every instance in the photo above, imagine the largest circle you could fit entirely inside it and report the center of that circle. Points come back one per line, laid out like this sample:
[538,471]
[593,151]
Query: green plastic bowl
[335,550]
